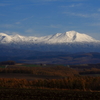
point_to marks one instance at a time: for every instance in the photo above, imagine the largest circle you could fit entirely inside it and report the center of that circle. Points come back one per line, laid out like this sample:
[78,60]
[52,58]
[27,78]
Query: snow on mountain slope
[4,38]
[18,38]
[68,37]
[70,41]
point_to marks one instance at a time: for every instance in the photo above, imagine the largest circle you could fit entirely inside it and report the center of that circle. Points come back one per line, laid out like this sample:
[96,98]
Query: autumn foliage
[68,78]
[73,83]
[47,71]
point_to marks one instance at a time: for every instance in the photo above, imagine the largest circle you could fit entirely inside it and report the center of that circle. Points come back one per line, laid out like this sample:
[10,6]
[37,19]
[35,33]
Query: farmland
[49,82]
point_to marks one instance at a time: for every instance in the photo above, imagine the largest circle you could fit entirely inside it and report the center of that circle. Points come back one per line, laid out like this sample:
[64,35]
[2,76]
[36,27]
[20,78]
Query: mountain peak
[70,36]
[78,37]
[4,38]
[71,33]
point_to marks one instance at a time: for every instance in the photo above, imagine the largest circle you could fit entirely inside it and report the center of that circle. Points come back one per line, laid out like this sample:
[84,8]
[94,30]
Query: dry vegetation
[50,82]
[58,77]
[70,83]
[46,71]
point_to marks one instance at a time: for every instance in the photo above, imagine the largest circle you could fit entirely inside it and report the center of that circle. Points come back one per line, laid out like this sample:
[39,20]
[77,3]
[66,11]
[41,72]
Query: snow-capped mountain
[68,37]
[70,41]
[52,49]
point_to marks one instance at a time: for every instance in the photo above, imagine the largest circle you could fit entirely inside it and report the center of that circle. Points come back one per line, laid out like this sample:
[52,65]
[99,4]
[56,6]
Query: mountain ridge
[70,42]
[67,37]
[59,48]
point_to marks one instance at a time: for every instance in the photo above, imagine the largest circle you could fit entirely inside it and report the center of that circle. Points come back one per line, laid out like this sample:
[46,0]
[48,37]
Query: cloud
[27,18]
[24,19]
[73,5]
[29,31]
[91,15]
[76,14]
[19,22]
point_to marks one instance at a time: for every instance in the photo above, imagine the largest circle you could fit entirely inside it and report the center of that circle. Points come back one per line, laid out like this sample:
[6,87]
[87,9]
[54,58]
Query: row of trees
[47,71]
[80,83]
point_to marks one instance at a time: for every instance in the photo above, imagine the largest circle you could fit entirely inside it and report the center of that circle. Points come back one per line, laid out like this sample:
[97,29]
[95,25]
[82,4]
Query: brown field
[50,82]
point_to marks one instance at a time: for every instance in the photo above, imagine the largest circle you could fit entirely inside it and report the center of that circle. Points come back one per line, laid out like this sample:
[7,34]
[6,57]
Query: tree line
[71,83]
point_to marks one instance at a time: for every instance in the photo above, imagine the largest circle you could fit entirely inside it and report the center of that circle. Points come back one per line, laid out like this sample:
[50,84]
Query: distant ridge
[67,37]
[70,42]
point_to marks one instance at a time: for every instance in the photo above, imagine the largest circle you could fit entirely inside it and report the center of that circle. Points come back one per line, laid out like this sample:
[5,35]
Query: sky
[47,17]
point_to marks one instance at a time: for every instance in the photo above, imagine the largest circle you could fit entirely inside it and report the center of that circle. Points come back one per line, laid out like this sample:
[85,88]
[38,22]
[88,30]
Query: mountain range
[67,37]
[60,45]
[70,41]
